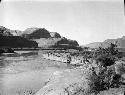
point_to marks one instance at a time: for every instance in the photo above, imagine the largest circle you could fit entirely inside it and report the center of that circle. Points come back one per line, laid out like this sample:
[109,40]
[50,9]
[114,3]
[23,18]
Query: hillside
[44,38]
[10,38]
[120,42]
[16,42]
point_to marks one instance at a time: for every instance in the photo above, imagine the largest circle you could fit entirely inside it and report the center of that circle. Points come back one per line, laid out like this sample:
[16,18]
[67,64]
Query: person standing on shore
[68,59]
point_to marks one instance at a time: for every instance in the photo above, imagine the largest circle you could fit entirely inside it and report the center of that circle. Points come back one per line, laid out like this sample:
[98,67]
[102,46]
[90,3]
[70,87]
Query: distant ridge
[120,42]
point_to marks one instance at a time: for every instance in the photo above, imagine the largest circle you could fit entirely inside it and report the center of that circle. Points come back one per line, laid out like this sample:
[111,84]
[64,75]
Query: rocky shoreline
[6,50]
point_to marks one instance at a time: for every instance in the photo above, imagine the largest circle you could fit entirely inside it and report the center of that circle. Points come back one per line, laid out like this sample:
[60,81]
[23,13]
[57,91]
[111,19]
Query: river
[25,72]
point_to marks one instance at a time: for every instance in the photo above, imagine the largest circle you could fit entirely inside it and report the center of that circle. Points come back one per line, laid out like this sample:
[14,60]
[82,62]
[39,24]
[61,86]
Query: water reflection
[3,63]
[7,59]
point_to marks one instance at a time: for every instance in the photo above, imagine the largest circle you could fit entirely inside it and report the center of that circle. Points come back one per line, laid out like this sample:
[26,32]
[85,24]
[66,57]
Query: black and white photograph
[62,47]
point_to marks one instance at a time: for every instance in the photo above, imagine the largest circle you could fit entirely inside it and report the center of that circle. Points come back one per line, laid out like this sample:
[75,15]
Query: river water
[25,72]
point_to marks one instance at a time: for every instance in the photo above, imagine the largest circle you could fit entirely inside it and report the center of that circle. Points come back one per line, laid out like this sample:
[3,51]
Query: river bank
[30,73]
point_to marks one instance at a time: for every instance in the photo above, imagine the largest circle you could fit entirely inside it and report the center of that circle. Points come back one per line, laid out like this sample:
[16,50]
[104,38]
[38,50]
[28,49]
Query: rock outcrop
[55,35]
[7,32]
[36,33]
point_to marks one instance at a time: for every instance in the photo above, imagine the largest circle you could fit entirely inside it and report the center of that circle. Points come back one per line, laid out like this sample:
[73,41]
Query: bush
[105,60]
[110,51]
[104,73]
[99,82]
[105,79]
[106,56]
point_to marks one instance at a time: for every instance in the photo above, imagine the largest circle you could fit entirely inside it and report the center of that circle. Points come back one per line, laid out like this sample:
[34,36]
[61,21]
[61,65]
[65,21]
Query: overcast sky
[83,20]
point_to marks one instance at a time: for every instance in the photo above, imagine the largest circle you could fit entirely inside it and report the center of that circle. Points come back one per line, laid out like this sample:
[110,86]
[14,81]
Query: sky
[86,21]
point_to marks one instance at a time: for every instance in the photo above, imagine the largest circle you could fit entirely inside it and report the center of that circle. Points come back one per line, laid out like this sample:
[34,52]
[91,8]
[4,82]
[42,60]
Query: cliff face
[120,42]
[57,43]
[31,36]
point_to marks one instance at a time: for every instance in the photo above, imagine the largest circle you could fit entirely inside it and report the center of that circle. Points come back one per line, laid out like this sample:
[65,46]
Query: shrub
[105,60]
[105,79]
[104,73]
